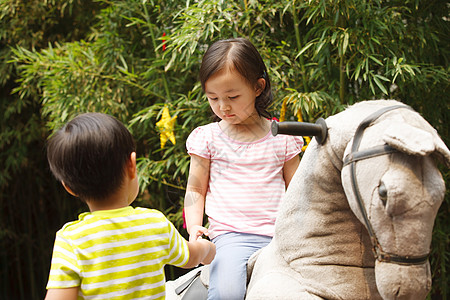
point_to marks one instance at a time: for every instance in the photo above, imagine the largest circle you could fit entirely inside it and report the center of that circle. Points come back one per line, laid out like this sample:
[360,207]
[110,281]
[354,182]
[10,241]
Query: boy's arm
[200,251]
[194,201]
[289,169]
[62,294]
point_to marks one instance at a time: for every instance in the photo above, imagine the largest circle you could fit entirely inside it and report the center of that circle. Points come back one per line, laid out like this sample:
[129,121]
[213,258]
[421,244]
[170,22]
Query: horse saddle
[192,286]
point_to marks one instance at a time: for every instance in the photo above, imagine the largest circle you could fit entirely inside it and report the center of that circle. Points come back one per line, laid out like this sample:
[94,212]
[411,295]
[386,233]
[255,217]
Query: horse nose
[397,282]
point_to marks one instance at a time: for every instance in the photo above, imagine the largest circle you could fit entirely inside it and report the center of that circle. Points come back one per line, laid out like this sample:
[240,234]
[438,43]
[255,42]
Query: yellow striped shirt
[117,254]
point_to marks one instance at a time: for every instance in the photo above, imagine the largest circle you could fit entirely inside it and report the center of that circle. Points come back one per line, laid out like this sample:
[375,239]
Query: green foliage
[63,57]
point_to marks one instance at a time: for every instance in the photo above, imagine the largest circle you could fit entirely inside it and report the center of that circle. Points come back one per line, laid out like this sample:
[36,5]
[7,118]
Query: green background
[59,58]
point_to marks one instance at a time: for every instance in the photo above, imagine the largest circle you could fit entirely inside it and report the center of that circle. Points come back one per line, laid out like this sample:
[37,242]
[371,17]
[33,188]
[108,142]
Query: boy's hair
[241,55]
[89,155]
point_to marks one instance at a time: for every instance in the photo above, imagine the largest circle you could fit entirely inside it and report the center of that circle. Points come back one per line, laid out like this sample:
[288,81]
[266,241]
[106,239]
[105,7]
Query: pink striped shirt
[246,181]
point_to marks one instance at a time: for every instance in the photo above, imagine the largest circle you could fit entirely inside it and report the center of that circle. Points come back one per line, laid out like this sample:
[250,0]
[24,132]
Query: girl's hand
[196,232]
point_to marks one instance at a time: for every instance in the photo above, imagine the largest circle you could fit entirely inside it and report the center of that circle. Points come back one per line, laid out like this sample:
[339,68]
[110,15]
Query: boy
[114,251]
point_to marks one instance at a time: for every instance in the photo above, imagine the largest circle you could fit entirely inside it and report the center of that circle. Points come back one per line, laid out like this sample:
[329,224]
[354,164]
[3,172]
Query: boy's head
[89,155]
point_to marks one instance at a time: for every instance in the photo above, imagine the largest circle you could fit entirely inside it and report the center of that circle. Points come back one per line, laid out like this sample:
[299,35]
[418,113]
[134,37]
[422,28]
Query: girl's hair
[89,155]
[242,56]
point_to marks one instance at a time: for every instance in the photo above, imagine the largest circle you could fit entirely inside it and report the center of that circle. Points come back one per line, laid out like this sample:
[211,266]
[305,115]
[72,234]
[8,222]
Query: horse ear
[416,141]
[442,150]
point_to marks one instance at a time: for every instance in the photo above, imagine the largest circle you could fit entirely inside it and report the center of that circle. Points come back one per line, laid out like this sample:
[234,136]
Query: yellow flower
[283,110]
[165,126]
[306,138]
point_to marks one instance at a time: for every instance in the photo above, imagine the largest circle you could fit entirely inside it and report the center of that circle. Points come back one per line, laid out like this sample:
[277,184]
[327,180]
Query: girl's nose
[224,106]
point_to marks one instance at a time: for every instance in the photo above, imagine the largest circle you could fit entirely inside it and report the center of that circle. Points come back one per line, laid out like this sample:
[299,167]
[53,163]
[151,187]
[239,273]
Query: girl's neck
[254,129]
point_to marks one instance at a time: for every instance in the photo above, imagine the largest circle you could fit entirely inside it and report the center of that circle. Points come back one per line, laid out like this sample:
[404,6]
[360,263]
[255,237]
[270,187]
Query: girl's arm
[62,294]
[289,169]
[194,200]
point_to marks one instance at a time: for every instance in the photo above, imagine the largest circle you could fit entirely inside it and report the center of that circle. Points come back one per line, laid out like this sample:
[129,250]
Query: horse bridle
[351,160]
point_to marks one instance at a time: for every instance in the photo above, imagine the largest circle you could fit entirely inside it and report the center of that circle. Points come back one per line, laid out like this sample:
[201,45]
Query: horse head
[394,188]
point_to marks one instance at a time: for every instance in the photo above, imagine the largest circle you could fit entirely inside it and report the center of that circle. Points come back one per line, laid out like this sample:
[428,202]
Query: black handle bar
[319,129]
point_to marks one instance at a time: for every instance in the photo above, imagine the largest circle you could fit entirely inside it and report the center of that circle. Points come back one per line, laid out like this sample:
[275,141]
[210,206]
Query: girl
[239,171]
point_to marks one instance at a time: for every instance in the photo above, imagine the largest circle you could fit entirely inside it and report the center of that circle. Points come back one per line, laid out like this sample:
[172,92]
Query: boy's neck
[116,201]
[99,206]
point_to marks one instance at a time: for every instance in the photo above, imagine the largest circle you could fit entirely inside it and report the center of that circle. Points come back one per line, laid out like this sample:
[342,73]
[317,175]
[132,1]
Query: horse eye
[382,192]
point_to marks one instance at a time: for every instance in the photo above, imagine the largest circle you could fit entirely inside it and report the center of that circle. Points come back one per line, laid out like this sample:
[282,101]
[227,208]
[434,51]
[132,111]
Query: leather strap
[368,153]
[402,260]
[351,160]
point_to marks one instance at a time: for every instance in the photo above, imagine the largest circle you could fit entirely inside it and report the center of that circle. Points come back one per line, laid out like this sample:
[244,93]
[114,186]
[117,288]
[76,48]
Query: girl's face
[231,97]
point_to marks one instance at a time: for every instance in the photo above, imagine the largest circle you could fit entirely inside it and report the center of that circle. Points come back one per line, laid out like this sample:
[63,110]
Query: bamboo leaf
[380,85]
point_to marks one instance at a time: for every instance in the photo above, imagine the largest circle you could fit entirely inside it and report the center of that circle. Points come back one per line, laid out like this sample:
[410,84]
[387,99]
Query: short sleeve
[198,142]
[179,250]
[64,270]
[294,146]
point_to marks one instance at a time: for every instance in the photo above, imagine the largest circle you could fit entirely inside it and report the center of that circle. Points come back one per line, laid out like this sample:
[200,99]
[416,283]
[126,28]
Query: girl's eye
[232,98]
[212,99]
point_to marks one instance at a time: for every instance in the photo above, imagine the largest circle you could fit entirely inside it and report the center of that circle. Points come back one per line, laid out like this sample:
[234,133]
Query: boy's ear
[260,86]
[131,166]
[68,189]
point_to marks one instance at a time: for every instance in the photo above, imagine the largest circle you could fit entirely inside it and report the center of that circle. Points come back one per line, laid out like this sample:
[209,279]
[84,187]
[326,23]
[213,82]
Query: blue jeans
[228,270]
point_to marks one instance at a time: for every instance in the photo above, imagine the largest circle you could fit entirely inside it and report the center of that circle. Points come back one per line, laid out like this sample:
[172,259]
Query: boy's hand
[196,232]
[211,254]
[201,251]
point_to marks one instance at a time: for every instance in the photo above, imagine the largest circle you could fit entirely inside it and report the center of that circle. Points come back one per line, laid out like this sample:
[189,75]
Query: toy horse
[357,219]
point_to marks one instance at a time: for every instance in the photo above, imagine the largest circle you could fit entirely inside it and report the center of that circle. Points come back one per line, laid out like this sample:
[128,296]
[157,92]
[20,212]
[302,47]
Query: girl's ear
[260,86]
